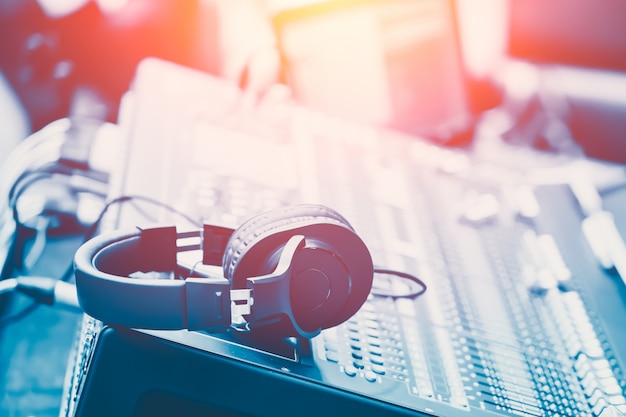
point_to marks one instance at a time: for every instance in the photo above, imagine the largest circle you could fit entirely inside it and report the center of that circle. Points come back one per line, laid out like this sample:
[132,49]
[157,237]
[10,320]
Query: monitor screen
[586,33]
[394,63]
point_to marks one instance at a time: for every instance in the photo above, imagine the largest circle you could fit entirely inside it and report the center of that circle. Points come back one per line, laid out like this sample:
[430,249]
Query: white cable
[46,290]
[8,285]
[37,150]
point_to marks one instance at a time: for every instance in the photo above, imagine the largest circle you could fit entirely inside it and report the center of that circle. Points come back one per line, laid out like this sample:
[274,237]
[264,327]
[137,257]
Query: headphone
[292,272]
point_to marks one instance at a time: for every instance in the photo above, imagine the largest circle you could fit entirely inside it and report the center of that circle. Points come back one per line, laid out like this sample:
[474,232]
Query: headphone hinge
[208,304]
[272,290]
[214,241]
[240,305]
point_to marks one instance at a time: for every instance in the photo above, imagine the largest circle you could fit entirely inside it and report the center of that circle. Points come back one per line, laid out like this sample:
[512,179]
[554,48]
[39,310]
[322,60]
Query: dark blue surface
[34,351]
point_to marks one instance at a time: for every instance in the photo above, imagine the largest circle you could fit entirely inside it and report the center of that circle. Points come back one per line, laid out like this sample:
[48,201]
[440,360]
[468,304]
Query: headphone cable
[52,291]
[43,290]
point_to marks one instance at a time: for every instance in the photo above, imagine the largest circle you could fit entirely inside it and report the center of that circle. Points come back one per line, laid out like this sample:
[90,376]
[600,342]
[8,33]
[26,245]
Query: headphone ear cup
[257,227]
[330,281]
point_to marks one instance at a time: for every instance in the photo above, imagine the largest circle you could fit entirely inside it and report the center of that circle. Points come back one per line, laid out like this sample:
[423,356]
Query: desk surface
[34,350]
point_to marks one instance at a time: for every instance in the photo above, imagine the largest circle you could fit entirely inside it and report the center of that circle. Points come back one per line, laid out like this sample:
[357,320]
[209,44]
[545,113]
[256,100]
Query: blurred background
[53,51]
[552,74]
[383,62]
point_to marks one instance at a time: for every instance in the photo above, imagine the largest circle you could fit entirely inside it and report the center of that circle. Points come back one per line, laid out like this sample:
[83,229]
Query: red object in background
[47,60]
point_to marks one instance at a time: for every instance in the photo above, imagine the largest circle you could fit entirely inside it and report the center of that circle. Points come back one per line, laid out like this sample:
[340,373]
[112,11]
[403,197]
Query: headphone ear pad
[334,249]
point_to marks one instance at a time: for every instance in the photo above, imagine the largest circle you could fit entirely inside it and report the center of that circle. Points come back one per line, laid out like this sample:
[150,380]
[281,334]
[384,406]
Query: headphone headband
[294,271]
[105,290]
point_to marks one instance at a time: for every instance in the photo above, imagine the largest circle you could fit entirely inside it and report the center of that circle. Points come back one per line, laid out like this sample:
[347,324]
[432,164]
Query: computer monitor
[395,63]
